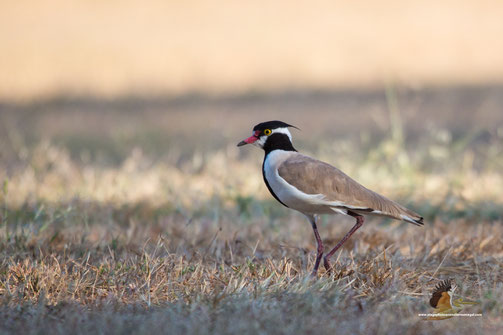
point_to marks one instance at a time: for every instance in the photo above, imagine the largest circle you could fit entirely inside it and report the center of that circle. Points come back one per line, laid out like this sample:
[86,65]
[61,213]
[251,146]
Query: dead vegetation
[196,245]
[234,276]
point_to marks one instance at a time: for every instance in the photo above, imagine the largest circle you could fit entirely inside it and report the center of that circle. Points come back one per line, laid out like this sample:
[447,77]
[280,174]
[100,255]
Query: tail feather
[391,209]
[399,212]
[406,214]
[417,220]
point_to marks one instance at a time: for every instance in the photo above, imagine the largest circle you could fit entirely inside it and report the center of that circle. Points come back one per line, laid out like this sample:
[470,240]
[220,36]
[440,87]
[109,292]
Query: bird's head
[270,135]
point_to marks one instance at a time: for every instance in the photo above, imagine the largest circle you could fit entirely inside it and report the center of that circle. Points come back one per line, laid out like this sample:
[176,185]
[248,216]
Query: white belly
[290,195]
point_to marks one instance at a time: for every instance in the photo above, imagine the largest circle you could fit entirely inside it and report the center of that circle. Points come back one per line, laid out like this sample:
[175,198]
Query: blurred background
[116,48]
[121,182]
[127,102]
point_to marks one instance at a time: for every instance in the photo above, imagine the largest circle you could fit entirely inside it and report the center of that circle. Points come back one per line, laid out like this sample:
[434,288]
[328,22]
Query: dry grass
[228,275]
[82,264]
[188,242]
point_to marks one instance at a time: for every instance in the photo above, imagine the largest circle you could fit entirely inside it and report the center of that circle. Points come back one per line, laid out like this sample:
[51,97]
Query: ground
[141,215]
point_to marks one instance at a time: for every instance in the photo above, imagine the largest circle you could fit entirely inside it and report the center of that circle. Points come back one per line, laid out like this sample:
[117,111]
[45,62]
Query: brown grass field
[126,207]
[141,216]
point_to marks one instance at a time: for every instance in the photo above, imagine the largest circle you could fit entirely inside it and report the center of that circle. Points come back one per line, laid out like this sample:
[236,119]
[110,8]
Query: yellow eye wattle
[267,132]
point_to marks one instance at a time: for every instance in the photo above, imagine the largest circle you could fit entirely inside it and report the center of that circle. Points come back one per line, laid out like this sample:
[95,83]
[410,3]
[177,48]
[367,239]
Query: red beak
[250,139]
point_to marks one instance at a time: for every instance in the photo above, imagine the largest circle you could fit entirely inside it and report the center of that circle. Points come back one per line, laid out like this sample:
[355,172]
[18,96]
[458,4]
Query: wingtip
[418,222]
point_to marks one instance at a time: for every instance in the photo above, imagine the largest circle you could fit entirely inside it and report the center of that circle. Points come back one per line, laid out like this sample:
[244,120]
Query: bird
[441,300]
[313,187]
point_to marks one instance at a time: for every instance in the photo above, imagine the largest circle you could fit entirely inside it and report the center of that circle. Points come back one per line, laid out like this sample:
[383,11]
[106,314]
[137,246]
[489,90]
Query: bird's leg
[312,219]
[359,222]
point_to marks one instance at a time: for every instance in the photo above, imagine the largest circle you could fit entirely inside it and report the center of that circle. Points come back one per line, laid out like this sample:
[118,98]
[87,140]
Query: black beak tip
[240,144]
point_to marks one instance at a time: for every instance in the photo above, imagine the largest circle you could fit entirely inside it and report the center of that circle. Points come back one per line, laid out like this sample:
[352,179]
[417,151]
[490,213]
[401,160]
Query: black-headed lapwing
[313,187]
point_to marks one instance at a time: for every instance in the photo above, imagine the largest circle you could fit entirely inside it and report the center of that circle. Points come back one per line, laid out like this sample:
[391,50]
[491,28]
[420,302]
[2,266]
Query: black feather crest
[444,286]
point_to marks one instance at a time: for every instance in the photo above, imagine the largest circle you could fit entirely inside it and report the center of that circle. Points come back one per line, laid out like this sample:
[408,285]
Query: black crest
[272,125]
[444,286]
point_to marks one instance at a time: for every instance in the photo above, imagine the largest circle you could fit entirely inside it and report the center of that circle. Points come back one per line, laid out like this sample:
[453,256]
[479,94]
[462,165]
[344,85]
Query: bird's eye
[267,132]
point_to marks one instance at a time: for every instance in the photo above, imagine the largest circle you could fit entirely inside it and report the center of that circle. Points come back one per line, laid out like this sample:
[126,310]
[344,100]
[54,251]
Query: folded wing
[312,176]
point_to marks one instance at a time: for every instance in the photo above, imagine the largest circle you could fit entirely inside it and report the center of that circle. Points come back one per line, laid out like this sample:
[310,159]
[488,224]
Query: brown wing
[438,297]
[312,176]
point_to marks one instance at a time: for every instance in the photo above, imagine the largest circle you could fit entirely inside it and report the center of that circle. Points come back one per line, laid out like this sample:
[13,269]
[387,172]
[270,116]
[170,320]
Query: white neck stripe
[283,131]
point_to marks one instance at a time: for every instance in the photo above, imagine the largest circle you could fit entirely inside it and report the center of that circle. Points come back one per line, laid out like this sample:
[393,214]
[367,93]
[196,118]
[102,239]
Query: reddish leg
[359,222]
[312,219]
